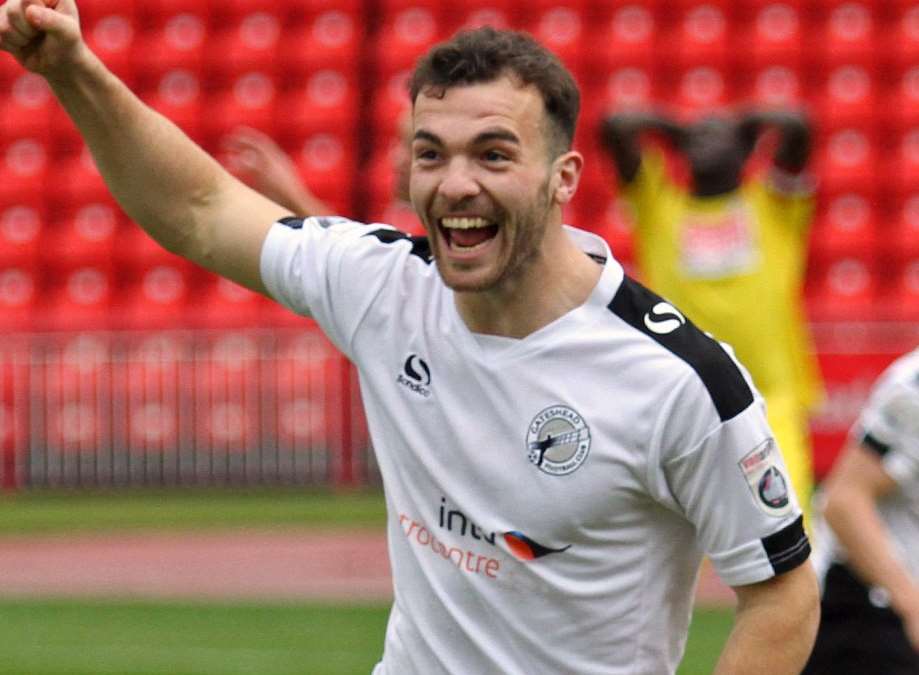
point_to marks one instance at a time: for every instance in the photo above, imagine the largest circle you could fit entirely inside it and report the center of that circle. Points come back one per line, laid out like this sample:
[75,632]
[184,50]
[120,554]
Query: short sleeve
[889,426]
[331,269]
[733,486]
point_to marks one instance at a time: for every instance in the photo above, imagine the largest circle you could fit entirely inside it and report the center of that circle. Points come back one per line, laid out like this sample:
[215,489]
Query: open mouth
[467,233]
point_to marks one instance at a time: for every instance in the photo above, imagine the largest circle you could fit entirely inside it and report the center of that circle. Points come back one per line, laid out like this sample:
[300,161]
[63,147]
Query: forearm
[794,146]
[164,182]
[867,543]
[621,135]
[775,626]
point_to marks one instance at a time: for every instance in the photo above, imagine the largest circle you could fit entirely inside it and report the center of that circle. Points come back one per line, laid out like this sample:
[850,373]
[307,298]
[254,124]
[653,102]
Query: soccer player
[869,557]
[558,445]
[730,251]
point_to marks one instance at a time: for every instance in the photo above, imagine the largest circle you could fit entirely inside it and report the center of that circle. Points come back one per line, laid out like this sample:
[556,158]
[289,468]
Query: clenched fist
[42,35]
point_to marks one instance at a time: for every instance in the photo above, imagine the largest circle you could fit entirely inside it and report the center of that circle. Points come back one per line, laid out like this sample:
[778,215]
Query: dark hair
[485,54]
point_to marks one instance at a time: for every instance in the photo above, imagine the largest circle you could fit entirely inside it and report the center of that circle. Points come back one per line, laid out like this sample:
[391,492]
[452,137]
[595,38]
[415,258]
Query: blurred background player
[258,160]
[255,158]
[868,557]
[730,247]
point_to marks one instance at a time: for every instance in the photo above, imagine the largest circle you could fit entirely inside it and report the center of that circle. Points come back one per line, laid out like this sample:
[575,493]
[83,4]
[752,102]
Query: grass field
[131,638]
[112,637]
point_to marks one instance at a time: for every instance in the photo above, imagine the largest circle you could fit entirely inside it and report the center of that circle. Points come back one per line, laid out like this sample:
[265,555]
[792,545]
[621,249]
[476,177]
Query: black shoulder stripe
[659,320]
[875,445]
[421,247]
[292,222]
[787,548]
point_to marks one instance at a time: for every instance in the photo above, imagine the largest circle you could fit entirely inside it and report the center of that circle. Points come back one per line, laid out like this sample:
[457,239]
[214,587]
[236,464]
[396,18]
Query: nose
[458,182]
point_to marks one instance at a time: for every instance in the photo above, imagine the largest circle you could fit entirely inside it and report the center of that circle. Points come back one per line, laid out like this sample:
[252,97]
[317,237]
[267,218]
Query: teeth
[463,223]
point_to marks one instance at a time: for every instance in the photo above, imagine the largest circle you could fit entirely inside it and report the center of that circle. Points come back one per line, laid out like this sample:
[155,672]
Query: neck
[558,279]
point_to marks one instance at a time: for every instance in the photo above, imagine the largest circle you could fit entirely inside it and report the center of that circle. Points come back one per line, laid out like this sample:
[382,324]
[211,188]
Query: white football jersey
[889,425]
[549,499]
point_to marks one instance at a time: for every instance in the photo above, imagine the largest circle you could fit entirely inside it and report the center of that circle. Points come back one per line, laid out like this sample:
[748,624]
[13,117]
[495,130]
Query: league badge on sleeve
[765,474]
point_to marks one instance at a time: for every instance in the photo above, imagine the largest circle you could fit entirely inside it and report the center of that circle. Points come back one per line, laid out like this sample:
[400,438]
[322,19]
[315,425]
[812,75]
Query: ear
[566,175]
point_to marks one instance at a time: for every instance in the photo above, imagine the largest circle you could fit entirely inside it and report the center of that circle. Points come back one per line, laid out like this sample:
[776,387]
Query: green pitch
[63,637]
[134,638]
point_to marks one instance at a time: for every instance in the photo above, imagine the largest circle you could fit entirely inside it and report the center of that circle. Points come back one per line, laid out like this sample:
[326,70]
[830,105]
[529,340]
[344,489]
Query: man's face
[481,180]
[715,155]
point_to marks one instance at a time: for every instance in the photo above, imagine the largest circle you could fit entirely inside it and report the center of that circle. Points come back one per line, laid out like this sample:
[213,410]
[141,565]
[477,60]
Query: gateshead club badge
[558,440]
[766,477]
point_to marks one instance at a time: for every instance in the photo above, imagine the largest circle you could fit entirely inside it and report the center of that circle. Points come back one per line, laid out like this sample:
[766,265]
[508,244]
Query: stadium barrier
[179,408]
[272,407]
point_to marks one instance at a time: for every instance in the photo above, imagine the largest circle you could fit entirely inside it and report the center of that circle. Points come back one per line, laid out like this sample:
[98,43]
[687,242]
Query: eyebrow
[483,137]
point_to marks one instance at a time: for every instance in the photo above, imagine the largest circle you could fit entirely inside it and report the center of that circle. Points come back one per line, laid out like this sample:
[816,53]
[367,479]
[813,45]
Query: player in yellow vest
[729,251]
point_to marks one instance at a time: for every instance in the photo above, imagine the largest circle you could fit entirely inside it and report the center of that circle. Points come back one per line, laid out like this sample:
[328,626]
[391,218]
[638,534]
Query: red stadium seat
[76,181]
[250,101]
[902,170]
[902,298]
[92,11]
[177,44]
[404,37]
[21,228]
[614,225]
[88,235]
[699,90]
[155,369]
[136,251]
[469,14]
[9,69]
[848,37]
[155,299]
[902,108]
[773,38]
[390,101]
[846,162]
[232,11]
[178,96]
[112,37]
[901,50]
[81,299]
[846,227]
[328,101]
[843,289]
[700,38]
[379,174]
[627,88]
[19,291]
[250,45]
[847,100]
[308,386]
[559,25]
[327,162]
[220,303]
[627,38]
[775,86]
[331,39]
[28,109]
[24,171]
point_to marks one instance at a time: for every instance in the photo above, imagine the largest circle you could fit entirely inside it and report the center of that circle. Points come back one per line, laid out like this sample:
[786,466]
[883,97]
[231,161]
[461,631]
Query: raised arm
[179,194]
[855,485]
[794,129]
[620,135]
[774,627]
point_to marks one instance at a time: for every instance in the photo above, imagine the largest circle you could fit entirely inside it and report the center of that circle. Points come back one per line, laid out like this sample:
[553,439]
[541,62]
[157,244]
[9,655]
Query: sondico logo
[415,375]
[664,318]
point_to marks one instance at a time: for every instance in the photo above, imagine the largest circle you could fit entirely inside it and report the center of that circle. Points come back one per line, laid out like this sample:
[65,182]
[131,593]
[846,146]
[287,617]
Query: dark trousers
[855,636]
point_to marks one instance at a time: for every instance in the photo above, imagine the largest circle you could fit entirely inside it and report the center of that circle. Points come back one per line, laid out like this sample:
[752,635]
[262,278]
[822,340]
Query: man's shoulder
[678,340]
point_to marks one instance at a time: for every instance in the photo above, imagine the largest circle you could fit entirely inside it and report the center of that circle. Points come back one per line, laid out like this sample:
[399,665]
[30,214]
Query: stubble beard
[529,230]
